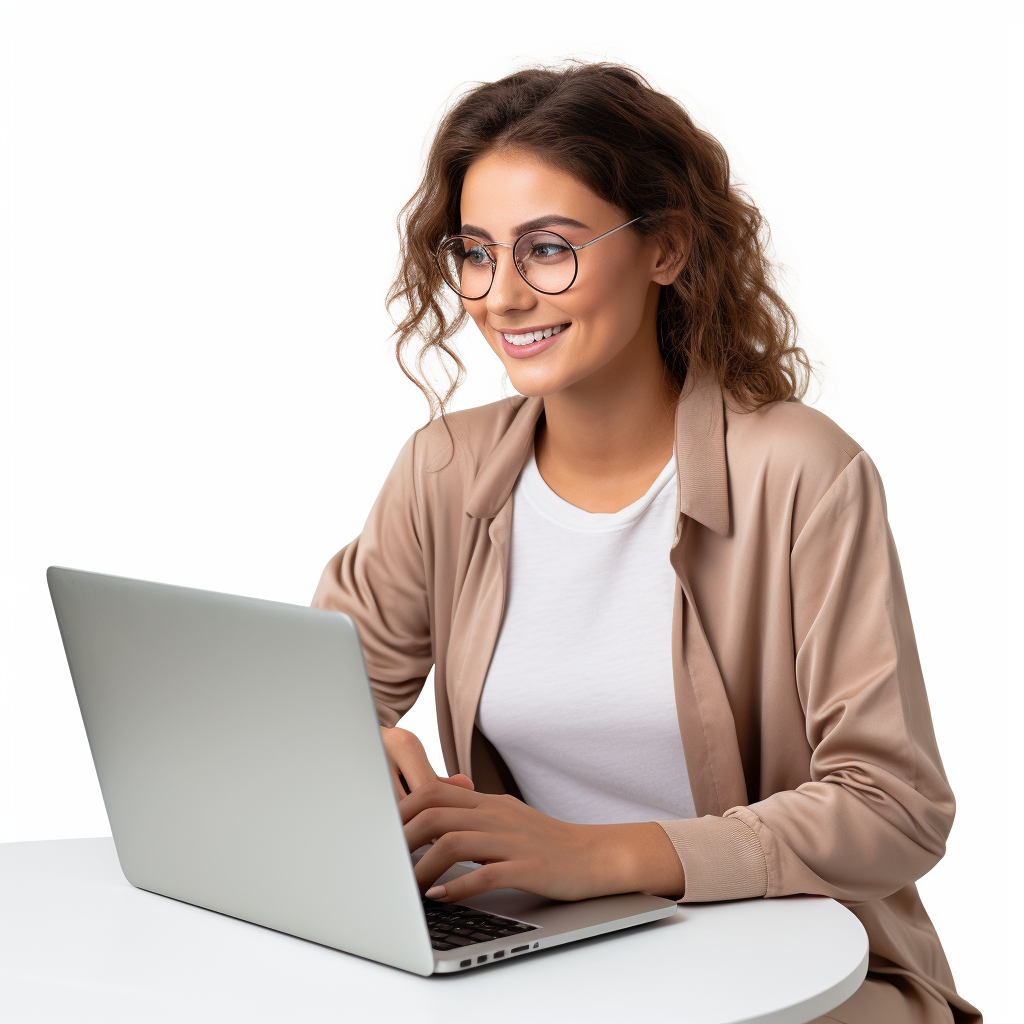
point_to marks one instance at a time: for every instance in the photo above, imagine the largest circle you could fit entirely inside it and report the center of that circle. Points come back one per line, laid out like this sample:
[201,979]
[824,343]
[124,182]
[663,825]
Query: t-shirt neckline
[535,490]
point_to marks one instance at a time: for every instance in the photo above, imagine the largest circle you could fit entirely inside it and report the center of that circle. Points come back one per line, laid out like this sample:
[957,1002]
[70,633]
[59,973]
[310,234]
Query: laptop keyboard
[452,926]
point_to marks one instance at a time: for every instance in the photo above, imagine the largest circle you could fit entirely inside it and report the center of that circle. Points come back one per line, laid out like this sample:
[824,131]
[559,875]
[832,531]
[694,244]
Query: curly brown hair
[639,150]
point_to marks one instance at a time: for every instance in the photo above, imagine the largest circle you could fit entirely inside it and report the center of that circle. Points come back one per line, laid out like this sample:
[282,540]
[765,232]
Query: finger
[453,847]
[411,759]
[499,875]
[434,822]
[436,794]
[460,780]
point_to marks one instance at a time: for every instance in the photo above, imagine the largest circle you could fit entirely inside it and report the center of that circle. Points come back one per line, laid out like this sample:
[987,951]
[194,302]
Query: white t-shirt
[579,698]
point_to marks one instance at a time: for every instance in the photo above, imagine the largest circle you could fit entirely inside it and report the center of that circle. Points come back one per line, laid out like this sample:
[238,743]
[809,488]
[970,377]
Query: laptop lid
[240,760]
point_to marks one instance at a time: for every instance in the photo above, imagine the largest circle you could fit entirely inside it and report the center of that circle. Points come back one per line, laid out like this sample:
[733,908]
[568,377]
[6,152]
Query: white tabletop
[77,942]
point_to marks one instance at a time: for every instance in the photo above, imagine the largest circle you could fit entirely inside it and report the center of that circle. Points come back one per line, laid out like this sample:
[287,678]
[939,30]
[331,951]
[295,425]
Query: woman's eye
[477,257]
[545,250]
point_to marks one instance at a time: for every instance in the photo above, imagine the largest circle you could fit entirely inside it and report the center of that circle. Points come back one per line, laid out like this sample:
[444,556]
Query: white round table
[78,943]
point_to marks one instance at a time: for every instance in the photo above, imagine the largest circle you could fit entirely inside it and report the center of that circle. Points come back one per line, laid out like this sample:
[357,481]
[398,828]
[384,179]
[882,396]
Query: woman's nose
[508,290]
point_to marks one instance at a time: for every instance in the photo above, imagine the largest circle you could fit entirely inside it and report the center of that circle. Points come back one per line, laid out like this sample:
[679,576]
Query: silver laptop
[240,760]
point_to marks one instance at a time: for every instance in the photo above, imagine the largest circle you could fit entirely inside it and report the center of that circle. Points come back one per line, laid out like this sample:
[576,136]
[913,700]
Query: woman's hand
[408,761]
[521,848]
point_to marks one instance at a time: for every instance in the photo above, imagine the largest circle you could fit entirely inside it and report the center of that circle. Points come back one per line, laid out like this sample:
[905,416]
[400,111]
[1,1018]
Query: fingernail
[436,893]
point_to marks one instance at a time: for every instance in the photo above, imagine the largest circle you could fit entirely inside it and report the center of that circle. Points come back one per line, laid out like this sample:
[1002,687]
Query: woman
[671,642]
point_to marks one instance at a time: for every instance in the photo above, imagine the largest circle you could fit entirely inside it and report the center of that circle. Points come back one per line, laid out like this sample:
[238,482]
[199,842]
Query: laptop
[240,760]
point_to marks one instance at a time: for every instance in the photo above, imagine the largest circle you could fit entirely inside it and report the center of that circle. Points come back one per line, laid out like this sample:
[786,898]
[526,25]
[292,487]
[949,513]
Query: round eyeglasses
[546,261]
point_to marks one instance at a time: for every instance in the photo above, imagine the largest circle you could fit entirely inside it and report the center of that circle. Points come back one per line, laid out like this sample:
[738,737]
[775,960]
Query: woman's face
[506,193]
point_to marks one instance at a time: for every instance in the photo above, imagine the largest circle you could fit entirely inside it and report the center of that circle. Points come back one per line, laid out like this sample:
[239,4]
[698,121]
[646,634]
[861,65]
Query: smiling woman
[640,152]
[671,641]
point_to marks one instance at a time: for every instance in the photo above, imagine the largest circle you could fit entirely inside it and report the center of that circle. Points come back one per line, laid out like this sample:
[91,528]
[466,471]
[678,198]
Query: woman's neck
[603,441]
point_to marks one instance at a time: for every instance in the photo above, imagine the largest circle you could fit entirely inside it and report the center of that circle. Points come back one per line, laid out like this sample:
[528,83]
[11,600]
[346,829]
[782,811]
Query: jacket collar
[700,457]
[501,468]
[703,476]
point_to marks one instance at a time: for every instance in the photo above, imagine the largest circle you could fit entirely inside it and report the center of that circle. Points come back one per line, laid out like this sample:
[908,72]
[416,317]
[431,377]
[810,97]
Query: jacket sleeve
[379,580]
[876,812]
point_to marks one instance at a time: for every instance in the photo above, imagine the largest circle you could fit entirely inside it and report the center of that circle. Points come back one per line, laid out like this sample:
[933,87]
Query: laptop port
[466,963]
[519,949]
[482,959]
[499,954]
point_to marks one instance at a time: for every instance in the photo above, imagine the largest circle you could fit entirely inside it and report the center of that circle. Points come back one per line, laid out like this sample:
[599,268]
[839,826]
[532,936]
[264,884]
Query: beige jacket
[802,707]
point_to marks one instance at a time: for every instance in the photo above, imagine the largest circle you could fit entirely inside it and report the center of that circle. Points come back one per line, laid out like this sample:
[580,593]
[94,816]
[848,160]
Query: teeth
[531,336]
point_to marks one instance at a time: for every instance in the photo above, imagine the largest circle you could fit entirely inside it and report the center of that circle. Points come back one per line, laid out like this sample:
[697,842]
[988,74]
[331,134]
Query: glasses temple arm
[607,233]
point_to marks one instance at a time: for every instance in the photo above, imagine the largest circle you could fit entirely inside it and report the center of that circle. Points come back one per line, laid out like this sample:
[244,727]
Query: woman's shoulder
[790,434]
[791,453]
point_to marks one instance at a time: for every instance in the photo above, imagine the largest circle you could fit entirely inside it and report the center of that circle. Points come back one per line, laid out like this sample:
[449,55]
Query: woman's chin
[536,385]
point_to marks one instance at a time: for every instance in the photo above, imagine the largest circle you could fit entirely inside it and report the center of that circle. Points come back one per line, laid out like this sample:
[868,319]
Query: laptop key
[456,926]
[438,944]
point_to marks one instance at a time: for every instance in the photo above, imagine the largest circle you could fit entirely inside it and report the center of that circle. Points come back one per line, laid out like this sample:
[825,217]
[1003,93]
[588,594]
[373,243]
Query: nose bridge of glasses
[507,274]
[488,246]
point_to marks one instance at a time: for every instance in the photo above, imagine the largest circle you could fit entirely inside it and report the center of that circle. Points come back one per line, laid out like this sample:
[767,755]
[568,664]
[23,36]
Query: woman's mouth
[521,344]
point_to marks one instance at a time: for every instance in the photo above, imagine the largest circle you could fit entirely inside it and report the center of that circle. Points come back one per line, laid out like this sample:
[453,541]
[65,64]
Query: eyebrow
[550,220]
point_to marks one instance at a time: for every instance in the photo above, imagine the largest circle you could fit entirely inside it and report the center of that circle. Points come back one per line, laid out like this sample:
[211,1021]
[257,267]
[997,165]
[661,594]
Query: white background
[199,205]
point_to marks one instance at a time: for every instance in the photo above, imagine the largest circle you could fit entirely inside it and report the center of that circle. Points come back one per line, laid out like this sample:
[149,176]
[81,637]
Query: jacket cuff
[722,858]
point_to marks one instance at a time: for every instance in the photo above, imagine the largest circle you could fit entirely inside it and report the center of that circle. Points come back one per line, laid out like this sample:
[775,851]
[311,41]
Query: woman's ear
[673,248]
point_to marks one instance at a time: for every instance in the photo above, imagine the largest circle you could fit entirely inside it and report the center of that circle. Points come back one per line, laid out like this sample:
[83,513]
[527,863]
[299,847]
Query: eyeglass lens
[546,261]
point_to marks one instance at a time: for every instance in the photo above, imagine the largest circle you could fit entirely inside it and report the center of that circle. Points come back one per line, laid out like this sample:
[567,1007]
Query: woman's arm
[521,848]
[878,808]
[379,580]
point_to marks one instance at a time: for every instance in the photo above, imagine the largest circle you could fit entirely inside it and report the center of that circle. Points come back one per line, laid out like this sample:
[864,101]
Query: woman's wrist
[638,858]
